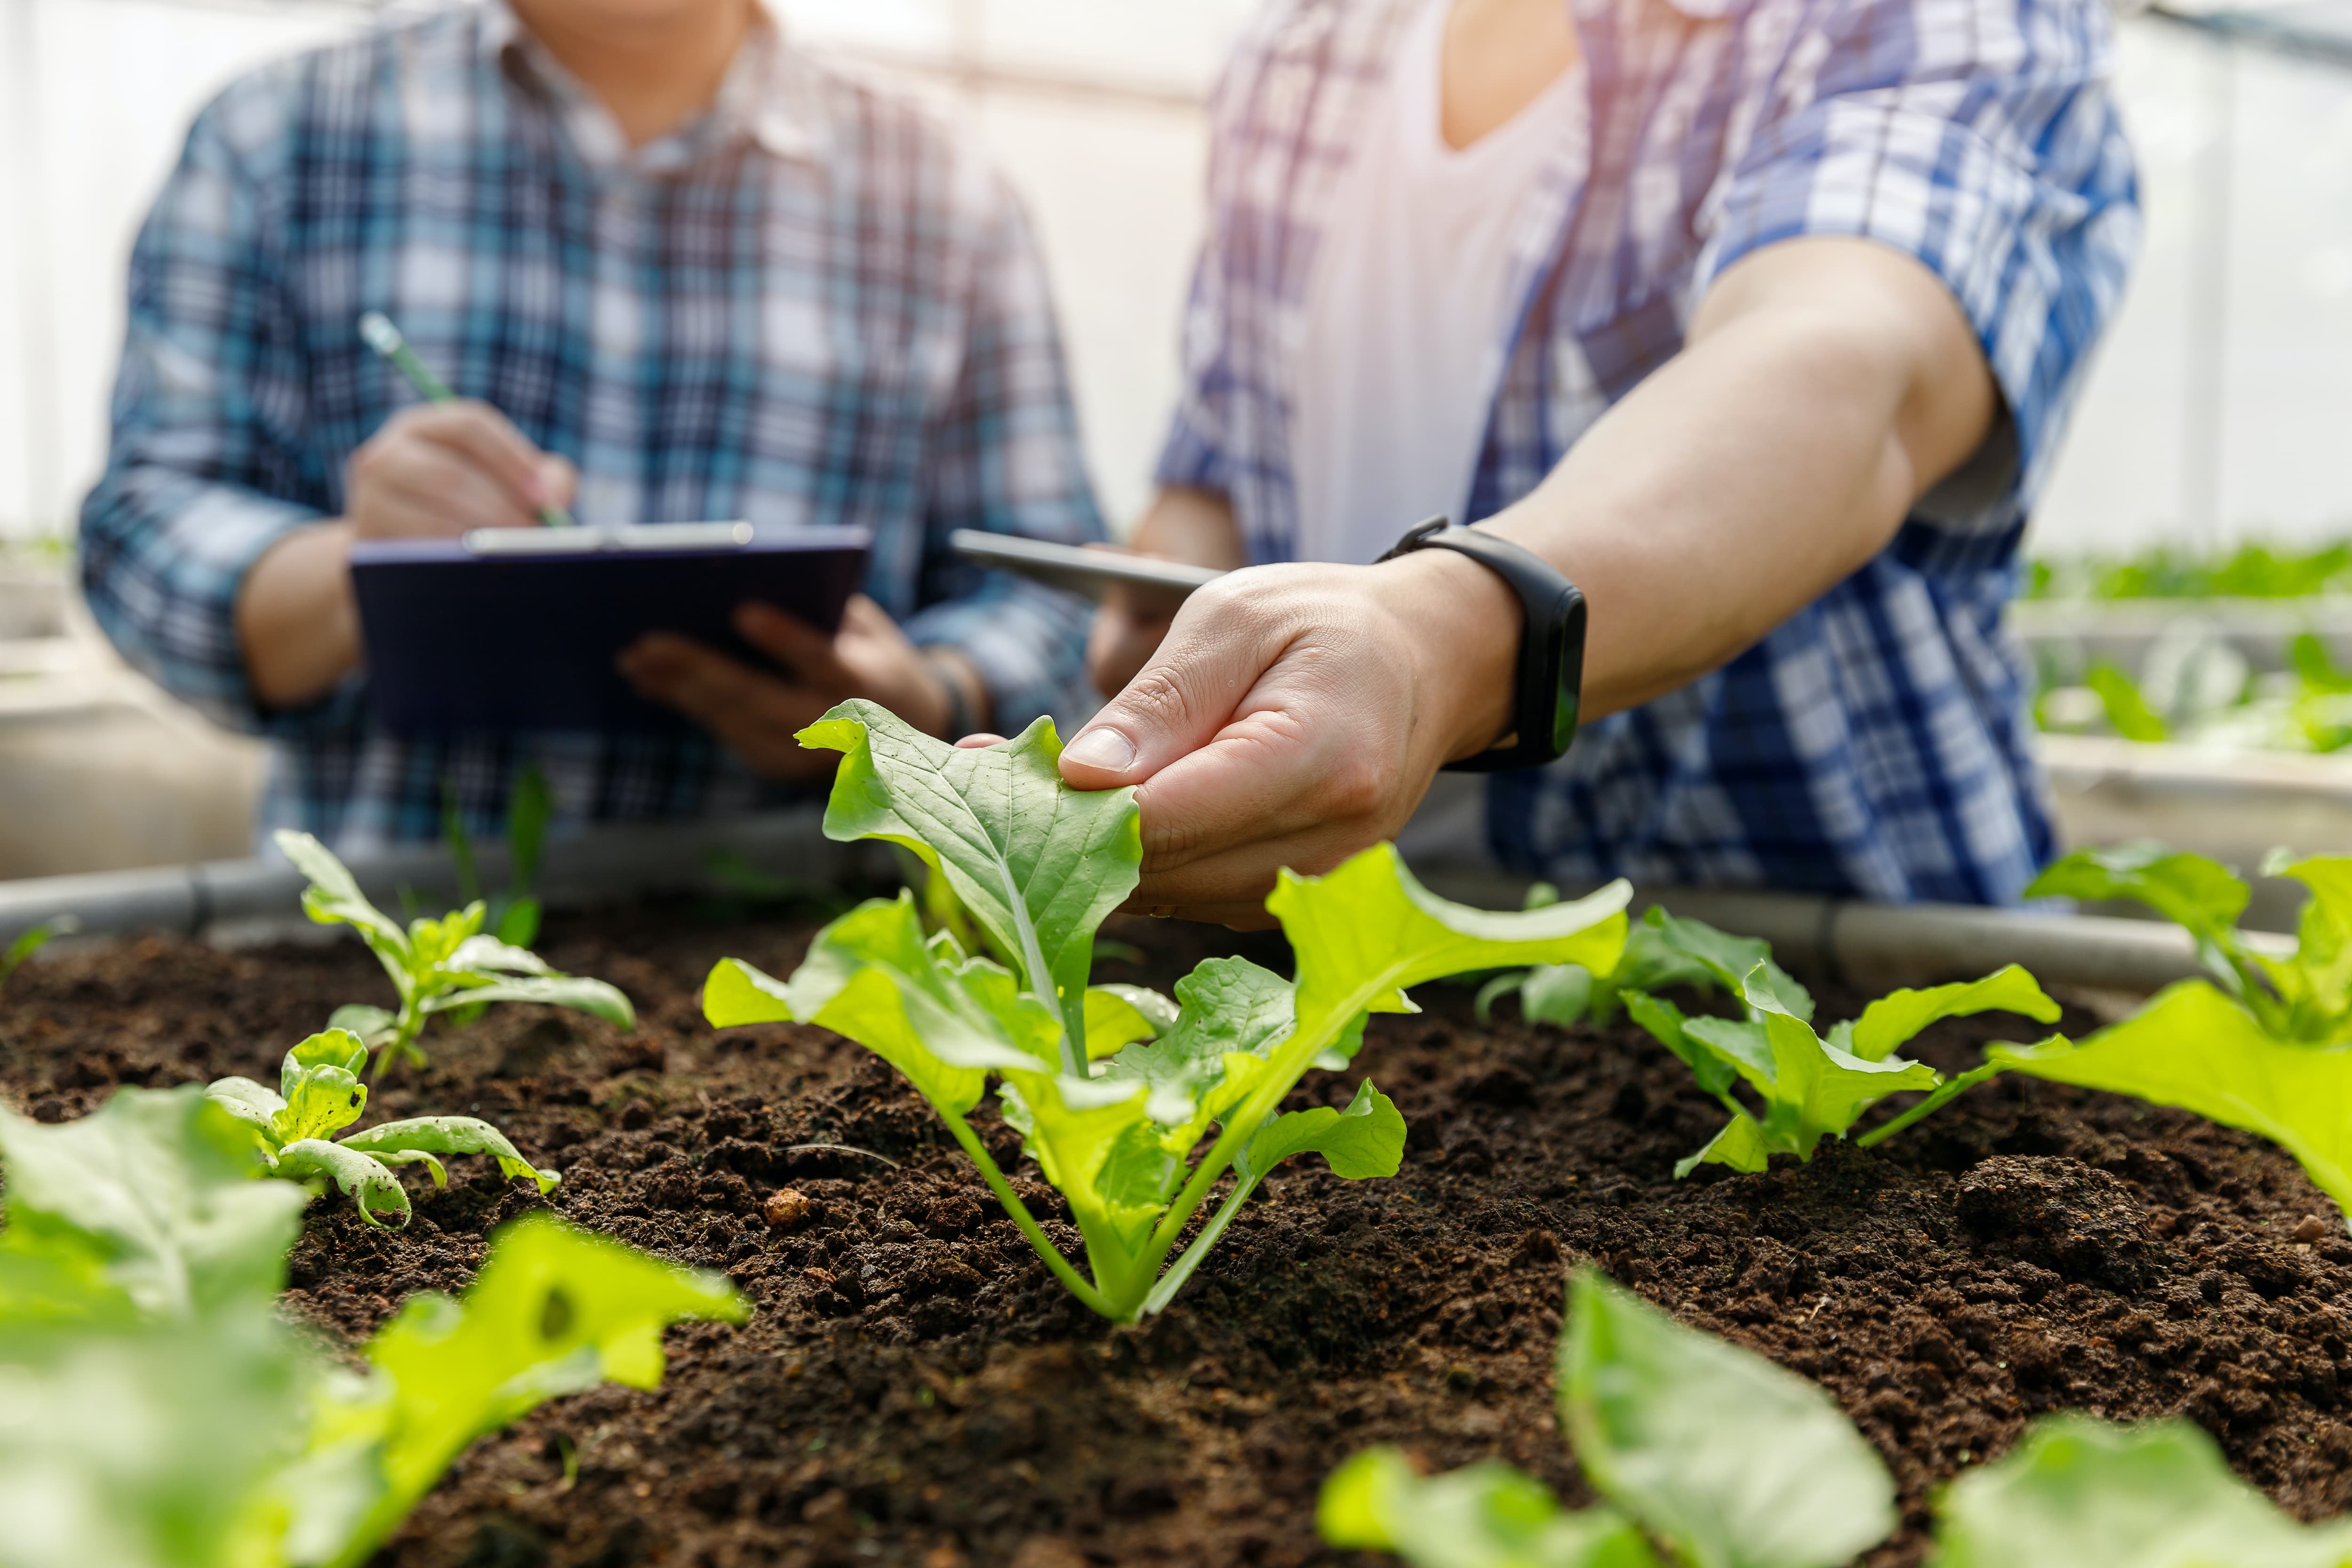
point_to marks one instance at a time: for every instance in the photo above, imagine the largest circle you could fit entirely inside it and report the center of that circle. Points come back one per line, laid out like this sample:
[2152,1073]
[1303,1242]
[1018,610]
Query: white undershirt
[1405,308]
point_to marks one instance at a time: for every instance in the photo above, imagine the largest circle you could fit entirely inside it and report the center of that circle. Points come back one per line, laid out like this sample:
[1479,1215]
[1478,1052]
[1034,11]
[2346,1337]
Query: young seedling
[160,1414]
[319,1093]
[512,916]
[2266,1045]
[1809,1087]
[28,942]
[1707,1455]
[1113,1088]
[436,966]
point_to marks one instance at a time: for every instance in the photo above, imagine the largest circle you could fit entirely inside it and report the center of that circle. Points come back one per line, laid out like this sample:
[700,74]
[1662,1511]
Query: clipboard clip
[605,537]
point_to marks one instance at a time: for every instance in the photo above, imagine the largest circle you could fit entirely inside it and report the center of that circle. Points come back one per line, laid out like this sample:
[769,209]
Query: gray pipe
[1871,945]
[247,899]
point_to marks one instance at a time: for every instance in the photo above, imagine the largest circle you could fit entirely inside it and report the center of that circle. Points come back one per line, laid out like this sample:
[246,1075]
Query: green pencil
[377,330]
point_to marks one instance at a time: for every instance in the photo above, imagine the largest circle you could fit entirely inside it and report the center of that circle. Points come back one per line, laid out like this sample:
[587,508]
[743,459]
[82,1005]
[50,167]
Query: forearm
[1772,458]
[296,622]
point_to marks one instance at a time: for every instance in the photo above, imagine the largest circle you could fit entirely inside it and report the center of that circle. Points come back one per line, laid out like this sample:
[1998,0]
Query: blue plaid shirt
[1876,743]
[810,305]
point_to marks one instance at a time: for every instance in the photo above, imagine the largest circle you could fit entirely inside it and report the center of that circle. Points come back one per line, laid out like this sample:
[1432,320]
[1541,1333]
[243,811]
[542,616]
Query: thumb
[1177,704]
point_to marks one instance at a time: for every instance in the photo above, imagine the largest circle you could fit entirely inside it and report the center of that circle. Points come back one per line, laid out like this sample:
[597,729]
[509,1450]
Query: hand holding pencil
[450,464]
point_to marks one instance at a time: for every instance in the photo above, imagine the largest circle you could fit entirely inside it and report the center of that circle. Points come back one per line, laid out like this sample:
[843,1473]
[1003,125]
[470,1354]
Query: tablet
[517,628]
[1078,569]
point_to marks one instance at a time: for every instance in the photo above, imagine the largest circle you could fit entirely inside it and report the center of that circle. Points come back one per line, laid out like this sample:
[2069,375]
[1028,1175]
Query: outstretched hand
[1295,715]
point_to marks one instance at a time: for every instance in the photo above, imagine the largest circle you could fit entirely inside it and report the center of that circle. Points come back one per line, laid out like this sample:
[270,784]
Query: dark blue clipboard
[514,629]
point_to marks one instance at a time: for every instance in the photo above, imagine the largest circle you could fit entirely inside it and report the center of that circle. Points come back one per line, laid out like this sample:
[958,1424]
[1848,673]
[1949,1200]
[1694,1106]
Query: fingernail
[1102,748]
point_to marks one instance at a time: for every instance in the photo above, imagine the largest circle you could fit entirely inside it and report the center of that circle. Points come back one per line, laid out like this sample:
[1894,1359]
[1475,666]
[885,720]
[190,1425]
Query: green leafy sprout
[154,1411]
[1801,1085]
[319,1093]
[436,965]
[512,916]
[30,941]
[1707,1455]
[1113,1089]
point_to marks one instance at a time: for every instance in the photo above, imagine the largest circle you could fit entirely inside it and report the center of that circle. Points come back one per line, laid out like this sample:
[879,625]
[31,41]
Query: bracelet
[1551,674]
[961,719]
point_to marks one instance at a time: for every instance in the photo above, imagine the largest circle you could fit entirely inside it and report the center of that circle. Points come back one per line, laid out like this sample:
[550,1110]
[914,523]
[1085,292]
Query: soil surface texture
[913,1387]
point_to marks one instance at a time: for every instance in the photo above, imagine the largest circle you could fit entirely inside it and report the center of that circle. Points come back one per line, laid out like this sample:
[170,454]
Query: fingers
[1180,700]
[444,468]
[424,489]
[973,742]
[754,715]
[799,646]
[486,438]
[868,657]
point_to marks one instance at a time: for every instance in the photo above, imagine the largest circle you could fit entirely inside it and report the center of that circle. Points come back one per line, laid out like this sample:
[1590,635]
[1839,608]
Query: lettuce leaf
[553,1311]
[1038,865]
[2079,1493]
[159,1185]
[1486,1515]
[2195,1049]
[1730,1461]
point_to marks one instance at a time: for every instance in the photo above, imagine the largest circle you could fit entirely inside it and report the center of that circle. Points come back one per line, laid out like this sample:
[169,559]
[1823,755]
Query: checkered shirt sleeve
[1978,137]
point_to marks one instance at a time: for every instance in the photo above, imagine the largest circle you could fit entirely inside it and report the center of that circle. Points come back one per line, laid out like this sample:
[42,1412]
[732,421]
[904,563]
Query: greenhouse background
[2213,414]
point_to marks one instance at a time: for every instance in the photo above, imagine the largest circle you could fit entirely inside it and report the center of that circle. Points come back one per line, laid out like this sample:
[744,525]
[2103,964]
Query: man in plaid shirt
[1759,319]
[679,272]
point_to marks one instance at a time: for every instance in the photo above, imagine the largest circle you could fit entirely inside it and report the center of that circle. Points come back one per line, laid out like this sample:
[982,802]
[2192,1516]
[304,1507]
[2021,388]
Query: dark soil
[914,1389]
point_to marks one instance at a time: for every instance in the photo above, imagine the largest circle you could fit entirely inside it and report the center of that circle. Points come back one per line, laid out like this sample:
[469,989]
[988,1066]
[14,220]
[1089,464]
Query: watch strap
[1550,670]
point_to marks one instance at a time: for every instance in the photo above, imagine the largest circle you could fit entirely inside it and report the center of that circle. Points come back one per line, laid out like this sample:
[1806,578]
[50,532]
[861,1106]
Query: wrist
[962,706]
[296,618]
[1464,625]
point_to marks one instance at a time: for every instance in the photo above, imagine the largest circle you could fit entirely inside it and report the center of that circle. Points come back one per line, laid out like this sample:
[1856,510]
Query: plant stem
[1289,1062]
[404,1039]
[1164,1290]
[1014,1206]
[1943,1095]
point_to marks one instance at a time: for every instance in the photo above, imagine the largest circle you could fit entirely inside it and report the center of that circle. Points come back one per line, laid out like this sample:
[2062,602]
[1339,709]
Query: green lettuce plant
[319,1093]
[436,965]
[154,1411]
[1806,1086]
[1707,1455]
[2265,1044]
[1113,1088]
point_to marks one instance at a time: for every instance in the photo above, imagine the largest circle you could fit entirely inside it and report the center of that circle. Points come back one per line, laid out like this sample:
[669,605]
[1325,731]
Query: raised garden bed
[914,1388]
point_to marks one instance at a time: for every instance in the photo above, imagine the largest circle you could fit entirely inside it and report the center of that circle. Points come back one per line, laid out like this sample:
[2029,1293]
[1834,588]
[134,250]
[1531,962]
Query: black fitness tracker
[1552,643]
